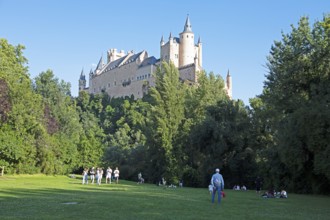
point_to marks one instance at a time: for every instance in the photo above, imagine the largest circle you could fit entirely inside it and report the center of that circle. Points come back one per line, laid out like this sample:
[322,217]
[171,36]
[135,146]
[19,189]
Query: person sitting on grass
[140,178]
[269,194]
[283,194]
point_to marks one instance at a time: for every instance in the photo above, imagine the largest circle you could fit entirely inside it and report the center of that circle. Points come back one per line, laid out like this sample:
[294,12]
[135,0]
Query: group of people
[273,194]
[237,187]
[98,174]
[270,193]
[216,186]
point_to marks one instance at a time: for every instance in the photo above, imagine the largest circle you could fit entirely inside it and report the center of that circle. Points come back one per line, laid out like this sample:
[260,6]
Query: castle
[130,73]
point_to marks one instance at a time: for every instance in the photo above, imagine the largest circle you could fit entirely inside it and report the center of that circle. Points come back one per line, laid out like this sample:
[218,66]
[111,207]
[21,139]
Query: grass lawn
[61,197]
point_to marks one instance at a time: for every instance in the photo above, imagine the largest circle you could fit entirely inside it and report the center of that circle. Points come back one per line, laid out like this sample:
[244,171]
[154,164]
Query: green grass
[61,197]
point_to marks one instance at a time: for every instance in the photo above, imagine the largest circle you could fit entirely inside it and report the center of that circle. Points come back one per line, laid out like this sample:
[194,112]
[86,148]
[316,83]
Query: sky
[68,36]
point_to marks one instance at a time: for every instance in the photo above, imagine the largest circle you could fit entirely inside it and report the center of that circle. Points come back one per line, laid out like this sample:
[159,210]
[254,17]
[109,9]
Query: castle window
[145,76]
[149,75]
[108,84]
[187,36]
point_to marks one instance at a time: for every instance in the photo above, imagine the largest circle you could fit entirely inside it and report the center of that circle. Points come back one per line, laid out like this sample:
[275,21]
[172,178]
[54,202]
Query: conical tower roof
[187,26]
[82,75]
[100,64]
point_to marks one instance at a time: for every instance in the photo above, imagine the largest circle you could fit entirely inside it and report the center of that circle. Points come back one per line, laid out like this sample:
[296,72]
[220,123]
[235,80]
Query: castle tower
[229,85]
[113,55]
[187,46]
[82,81]
[199,49]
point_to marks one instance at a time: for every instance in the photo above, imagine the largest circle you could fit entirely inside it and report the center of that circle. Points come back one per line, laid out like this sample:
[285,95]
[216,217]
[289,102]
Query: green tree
[223,141]
[125,147]
[58,149]
[90,145]
[167,112]
[20,110]
[297,96]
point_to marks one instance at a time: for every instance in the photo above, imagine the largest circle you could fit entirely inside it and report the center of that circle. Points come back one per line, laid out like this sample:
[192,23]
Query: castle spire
[187,26]
[170,37]
[82,75]
[229,86]
[100,64]
[162,41]
[199,40]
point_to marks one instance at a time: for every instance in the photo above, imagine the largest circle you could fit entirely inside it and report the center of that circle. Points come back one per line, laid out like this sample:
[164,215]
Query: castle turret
[187,46]
[162,41]
[199,48]
[170,37]
[82,81]
[229,85]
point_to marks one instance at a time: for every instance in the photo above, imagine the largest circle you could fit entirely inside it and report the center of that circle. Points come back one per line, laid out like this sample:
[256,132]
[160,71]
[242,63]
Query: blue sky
[66,36]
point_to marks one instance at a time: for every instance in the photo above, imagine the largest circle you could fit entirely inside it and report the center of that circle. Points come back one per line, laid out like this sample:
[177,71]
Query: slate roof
[187,26]
[149,61]
[121,61]
[82,75]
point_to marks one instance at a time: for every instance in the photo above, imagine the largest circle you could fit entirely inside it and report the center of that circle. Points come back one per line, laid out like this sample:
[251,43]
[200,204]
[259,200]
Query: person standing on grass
[116,174]
[218,185]
[92,174]
[108,177]
[99,175]
[85,176]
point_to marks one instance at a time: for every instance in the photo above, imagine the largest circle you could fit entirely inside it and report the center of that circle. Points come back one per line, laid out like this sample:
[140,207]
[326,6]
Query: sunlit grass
[61,197]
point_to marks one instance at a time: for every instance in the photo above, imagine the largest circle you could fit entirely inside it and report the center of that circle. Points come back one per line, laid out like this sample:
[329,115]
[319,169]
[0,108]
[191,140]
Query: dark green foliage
[21,110]
[167,115]
[90,144]
[297,101]
[5,106]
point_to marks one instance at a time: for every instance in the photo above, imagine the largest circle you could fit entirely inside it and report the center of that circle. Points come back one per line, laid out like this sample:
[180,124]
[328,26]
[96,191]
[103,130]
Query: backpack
[217,182]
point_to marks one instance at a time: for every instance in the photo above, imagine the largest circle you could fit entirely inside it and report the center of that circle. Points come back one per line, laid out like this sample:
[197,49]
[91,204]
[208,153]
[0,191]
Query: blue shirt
[219,177]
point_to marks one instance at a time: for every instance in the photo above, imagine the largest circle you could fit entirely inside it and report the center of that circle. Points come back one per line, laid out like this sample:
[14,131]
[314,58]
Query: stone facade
[127,74]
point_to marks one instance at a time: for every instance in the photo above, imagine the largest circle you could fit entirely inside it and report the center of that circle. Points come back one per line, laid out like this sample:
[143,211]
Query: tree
[167,112]
[222,140]
[297,96]
[90,146]
[20,111]
[57,150]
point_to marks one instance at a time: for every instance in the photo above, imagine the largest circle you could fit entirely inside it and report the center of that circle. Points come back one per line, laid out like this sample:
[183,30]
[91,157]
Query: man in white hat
[218,184]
